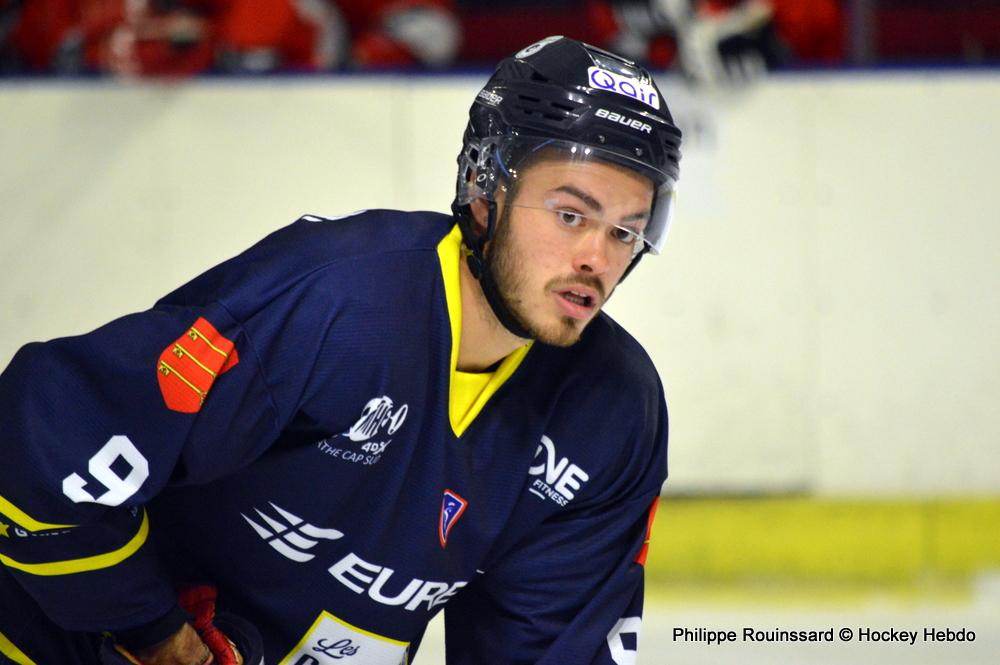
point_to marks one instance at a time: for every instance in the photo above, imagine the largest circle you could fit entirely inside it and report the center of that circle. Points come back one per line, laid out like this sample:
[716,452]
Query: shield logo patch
[452,507]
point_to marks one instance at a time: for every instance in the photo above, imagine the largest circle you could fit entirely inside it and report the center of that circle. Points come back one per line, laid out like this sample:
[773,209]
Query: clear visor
[579,185]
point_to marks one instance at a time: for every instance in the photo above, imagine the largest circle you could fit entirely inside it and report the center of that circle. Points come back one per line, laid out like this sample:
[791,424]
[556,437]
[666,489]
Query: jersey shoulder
[609,411]
[328,257]
[611,358]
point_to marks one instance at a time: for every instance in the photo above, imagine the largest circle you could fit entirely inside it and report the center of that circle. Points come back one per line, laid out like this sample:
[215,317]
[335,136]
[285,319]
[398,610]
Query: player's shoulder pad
[350,249]
[611,411]
[609,355]
[368,231]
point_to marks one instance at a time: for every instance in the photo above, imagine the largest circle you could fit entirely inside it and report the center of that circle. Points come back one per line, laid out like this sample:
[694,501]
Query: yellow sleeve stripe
[87,563]
[8,649]
[23,519]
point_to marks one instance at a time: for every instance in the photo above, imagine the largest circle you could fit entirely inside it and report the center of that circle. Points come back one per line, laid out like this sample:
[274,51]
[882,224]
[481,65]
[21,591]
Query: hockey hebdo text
[854,634]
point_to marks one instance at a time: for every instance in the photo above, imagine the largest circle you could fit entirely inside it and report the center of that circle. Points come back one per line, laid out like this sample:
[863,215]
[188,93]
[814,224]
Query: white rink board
[825,315]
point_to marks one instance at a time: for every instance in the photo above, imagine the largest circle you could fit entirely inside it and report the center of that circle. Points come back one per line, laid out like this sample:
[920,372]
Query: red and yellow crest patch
[188,367]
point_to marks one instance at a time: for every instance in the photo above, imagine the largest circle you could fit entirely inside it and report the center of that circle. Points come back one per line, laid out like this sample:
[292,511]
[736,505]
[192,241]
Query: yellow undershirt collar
[468,391]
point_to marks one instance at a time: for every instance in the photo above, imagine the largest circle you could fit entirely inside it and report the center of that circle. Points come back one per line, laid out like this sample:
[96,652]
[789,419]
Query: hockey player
[361,421]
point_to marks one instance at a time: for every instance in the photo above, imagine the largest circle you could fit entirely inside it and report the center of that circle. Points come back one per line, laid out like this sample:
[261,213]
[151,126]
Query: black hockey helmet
[564,94]
[581,101]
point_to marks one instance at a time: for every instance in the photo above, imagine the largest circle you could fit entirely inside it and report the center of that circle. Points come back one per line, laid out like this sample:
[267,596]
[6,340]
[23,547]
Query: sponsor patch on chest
[452,507]
[367,439]
[364,577]
[556,478]
[331,639]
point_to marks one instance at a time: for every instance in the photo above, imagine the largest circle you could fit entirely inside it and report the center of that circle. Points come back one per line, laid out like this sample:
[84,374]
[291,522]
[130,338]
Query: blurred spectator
[319,34]
[125,37]
[35,35]
[710,41]
[183,37]
[720,41]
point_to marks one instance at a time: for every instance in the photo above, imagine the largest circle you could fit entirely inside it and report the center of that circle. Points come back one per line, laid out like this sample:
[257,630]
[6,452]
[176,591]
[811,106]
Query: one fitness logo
[558,479]
[290,535]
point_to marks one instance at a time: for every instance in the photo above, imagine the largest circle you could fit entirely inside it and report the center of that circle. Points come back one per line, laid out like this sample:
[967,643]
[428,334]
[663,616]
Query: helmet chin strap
[476,258]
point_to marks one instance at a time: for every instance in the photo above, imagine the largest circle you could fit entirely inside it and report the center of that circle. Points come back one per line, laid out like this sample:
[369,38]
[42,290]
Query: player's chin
[566,331]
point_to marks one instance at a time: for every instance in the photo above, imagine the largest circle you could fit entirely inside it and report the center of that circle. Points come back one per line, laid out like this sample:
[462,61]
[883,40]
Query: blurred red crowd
[184,37]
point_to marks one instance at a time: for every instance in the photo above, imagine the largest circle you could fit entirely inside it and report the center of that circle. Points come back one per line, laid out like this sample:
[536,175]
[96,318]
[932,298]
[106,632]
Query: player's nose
[591,253]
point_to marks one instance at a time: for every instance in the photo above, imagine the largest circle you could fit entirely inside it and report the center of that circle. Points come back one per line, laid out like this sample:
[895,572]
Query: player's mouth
[578,302]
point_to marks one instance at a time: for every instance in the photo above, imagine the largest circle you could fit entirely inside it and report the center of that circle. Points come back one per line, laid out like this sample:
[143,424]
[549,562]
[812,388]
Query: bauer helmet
[565,95]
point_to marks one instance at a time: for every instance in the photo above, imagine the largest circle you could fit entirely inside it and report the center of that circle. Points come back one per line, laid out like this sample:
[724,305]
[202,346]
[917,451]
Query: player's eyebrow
[591,202]
[596,206]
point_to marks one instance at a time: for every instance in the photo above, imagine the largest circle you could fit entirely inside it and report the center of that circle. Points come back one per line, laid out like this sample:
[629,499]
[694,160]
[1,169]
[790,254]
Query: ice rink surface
[977,610]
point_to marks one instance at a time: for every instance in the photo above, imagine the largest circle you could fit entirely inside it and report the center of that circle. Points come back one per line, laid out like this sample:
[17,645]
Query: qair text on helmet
[624,85]
[637,125]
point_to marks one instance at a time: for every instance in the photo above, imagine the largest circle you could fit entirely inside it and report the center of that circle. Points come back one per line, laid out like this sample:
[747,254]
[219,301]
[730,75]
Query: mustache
[584,280]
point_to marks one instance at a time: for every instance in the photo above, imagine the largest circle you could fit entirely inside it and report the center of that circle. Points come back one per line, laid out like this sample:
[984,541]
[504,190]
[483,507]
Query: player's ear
[480,212]
[480,207]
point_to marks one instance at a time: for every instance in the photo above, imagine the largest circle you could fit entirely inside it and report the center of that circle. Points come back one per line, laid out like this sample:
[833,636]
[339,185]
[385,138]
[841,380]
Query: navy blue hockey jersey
[285,427]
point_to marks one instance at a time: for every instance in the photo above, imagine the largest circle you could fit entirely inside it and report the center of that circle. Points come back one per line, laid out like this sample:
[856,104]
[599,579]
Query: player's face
[562,243]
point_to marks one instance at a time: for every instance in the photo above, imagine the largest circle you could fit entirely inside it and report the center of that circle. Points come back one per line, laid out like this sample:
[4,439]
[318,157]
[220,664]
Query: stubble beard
[502,266]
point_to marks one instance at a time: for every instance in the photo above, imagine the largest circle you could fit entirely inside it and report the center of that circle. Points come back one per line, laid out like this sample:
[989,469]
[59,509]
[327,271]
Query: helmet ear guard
[472,175]
[475,239]
[479,171]
[478,178]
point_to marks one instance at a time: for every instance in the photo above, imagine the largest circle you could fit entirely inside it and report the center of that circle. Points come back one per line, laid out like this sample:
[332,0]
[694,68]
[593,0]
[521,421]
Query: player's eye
[624,235]
[570,217]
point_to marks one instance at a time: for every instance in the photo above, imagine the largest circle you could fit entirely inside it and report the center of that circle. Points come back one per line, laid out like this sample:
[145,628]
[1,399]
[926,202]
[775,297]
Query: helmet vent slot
[557,111]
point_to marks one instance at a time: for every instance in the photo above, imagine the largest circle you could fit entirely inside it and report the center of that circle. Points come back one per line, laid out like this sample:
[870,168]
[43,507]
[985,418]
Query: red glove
[235,643]
[199,602]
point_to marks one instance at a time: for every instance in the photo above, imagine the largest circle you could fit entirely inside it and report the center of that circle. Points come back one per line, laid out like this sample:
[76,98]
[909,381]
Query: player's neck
[484,340]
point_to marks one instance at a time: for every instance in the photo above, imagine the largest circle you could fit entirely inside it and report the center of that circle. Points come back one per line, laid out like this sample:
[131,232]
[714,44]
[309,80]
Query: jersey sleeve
[94,426]
[571,590]
[572,595]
